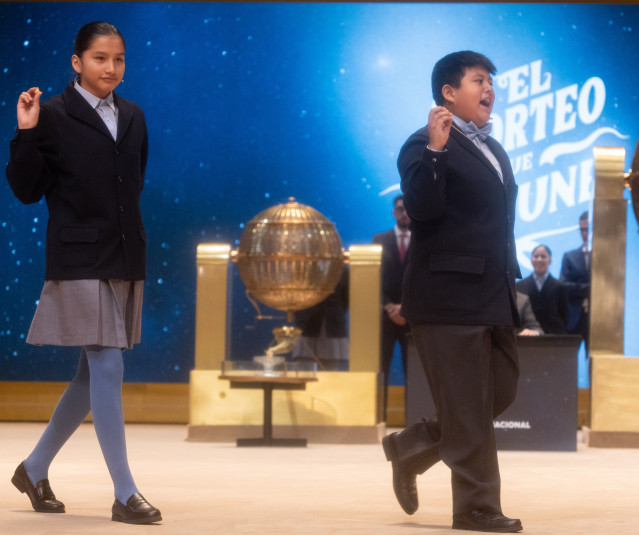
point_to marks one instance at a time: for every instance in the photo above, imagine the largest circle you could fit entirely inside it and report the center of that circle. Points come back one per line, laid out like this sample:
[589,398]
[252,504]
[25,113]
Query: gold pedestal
[342,407]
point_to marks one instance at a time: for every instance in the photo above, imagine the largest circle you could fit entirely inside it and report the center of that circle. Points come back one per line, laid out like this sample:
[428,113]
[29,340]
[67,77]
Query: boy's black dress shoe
[41,496]
[404,480]
[136,511]
[488,522]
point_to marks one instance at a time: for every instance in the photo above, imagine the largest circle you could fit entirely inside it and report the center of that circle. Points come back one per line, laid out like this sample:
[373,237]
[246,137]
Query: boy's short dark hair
[451,69]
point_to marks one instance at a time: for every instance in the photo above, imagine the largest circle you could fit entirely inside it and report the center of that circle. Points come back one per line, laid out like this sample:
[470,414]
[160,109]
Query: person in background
[529,324]
[324,327]
[575,274]
[85,152]
[548,296]
[395,254]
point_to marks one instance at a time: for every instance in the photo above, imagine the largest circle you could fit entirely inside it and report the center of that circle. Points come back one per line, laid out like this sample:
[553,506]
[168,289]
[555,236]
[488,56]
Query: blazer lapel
[503,159]
[467,144]
[125,114]
[79,108]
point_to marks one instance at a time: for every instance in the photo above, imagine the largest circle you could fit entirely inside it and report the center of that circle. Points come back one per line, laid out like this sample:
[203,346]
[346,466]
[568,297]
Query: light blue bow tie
[473,131]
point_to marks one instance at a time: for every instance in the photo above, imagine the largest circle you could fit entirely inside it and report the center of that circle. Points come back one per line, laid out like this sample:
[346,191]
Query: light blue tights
[96,387]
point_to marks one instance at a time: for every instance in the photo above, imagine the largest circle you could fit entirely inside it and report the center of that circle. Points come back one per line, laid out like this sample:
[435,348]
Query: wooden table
[268,384]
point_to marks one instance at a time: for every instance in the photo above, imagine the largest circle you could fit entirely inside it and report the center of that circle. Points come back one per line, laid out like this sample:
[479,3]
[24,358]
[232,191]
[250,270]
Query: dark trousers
[472,371]
[391,334]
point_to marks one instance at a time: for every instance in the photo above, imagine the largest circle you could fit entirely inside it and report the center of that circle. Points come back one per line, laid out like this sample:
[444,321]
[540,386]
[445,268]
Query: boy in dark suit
[459,293]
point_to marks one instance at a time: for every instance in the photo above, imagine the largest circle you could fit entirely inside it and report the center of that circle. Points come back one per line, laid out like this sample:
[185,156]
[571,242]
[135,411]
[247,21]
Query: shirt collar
[92,99]
[461,124]
[540,278]
[399,232]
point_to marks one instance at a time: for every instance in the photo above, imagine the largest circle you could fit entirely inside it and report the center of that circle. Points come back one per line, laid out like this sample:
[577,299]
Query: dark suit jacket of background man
[461,276]
[92,185]
[550,305]
[576,276]
[392,277]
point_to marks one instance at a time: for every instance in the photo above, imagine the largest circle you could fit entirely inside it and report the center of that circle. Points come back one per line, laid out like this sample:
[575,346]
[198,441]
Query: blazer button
[123,237]
[122,209]
[119,179]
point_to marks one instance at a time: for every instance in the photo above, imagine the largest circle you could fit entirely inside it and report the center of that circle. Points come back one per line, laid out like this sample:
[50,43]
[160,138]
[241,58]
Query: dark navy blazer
[463,262]
[92,185]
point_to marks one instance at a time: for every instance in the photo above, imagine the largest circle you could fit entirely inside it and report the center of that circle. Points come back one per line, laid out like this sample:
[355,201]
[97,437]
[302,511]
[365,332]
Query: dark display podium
[544,414]
[268,384]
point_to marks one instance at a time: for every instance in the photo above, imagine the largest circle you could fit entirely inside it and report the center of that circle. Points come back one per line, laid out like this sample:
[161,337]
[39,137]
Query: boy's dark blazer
[550,305]
[463,261]
[91,183]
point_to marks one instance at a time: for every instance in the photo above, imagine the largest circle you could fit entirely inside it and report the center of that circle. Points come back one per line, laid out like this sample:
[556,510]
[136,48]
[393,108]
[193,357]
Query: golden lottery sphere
[290,257]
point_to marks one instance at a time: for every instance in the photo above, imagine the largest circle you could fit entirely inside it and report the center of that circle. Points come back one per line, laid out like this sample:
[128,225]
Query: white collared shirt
[481,145]
[398,234]
[540,280]
[110,118]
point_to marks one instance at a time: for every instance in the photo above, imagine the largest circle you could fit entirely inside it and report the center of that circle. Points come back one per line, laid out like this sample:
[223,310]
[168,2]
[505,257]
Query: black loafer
[136,511]
[41,496]
[487,522]
[404,480]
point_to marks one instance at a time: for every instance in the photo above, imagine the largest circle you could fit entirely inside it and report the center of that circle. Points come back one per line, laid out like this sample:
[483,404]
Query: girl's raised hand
[29,108]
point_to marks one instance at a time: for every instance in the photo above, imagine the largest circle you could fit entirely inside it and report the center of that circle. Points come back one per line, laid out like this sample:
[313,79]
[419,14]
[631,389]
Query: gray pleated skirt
[103,312]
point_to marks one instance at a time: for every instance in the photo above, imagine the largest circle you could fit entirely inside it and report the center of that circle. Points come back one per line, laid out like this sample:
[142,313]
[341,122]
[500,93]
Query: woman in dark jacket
[548,296]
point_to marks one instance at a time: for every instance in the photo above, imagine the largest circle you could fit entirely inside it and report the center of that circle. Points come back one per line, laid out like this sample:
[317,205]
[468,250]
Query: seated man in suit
[459,293]
[395,254]
[548,296]
[529,324]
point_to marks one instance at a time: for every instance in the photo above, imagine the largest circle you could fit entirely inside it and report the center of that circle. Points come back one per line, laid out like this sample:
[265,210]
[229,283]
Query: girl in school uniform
[85,151]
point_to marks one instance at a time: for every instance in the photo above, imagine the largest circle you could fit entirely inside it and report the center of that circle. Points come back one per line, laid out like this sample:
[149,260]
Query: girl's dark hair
[89,32]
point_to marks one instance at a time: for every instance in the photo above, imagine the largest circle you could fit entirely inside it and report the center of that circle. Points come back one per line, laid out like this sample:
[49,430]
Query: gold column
[210,311]
[615,397]
[608,270]
[365,302]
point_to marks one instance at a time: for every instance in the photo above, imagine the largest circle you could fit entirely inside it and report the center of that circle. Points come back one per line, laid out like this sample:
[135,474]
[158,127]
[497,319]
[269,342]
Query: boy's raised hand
[439,122]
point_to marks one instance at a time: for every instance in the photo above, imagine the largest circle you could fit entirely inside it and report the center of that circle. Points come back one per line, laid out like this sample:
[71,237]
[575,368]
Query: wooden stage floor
[217,488]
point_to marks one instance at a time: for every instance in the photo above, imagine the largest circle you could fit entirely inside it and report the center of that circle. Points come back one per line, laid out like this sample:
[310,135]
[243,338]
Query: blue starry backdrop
[249,104]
